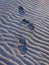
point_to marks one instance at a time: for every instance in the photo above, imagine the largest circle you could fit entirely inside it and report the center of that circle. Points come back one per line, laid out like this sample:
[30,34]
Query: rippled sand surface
[24,32]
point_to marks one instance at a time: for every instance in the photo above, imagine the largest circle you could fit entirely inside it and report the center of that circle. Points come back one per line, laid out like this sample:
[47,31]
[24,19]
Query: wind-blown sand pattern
[35,50]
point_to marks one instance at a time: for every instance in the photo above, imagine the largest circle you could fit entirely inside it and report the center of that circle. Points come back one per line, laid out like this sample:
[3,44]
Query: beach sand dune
[24,32]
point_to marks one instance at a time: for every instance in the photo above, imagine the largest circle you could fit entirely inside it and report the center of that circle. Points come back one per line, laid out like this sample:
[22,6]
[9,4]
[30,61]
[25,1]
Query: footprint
[24,21]
[21,10]
[22,41]
[22,49]
[30,26]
